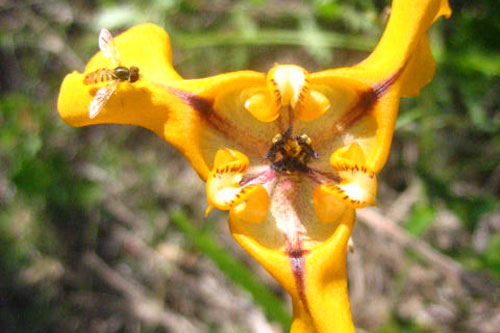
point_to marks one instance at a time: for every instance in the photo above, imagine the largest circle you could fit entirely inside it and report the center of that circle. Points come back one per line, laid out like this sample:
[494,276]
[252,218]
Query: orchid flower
[290,154]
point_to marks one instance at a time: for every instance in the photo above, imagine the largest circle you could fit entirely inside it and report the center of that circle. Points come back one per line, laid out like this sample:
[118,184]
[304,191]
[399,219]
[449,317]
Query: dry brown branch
[404,202]
[453,270]
[140,303]
[387,227]
[204,286]
[123,214]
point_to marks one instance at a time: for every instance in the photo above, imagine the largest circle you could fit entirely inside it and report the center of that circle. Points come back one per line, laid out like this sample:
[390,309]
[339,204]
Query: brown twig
[404,202]
[124,215]
[450,268]
[140,303]
[384,225]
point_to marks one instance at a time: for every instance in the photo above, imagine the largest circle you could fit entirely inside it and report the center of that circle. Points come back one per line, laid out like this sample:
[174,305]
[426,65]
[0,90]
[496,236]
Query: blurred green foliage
[51,211]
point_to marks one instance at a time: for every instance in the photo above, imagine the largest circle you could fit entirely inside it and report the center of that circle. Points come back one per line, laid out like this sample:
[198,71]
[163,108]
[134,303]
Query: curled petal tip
[208,210]
[261,107]
[252,206]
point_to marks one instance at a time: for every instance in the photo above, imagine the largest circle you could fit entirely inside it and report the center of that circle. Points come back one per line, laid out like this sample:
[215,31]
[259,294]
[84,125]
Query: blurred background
[102,228]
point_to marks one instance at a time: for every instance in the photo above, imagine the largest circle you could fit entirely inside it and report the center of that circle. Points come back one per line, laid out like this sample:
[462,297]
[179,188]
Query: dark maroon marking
[205,108]
[200,104]
[370,96]
[381,88]
[298,263]
[367,100]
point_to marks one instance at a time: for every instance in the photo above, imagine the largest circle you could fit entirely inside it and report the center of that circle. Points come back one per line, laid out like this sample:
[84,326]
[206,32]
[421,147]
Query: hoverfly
[112,76]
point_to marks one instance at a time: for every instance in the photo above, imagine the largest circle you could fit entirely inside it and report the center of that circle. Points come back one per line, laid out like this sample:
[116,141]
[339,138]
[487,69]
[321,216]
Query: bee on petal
[111,75]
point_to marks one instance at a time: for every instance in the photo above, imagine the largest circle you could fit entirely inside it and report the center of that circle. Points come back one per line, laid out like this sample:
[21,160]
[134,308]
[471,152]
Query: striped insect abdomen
[99,75]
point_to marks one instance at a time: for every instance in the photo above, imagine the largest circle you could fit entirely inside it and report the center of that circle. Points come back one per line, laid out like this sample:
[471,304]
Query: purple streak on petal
[200,104]
[297,261]
[381,88]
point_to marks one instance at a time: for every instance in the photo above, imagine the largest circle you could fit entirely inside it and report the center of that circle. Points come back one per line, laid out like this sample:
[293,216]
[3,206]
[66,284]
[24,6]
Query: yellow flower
[289,154]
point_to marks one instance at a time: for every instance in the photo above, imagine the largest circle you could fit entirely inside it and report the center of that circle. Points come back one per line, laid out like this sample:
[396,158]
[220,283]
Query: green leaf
[420,219]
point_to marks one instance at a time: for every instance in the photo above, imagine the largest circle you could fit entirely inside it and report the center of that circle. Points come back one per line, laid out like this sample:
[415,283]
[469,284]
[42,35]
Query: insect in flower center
[289,153]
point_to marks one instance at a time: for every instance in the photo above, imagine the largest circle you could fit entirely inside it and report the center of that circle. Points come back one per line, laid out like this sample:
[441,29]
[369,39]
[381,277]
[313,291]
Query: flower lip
[291,153]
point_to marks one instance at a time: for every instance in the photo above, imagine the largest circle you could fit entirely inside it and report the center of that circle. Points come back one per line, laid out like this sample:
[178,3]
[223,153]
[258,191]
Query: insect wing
[108,47]
[101,98]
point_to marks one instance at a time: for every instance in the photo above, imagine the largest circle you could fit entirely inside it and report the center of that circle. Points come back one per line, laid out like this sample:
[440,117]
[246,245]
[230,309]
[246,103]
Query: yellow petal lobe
[327,206]
[248,203]
[251,204]
[261,106]
[403,39]
[146,46]
[400,65]
[313,106]
[358,185]
[352,152]
[225,155]
[208,210]
[223,183]
[290,86]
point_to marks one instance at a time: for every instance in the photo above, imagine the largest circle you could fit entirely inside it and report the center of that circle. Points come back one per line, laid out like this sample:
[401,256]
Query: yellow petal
[209,114]
[146,46]
[348,101]
[324,278]
[288,85]
[225,156]
[404,38]
[327,284]
[122,107]
[198,117]
[400,66]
